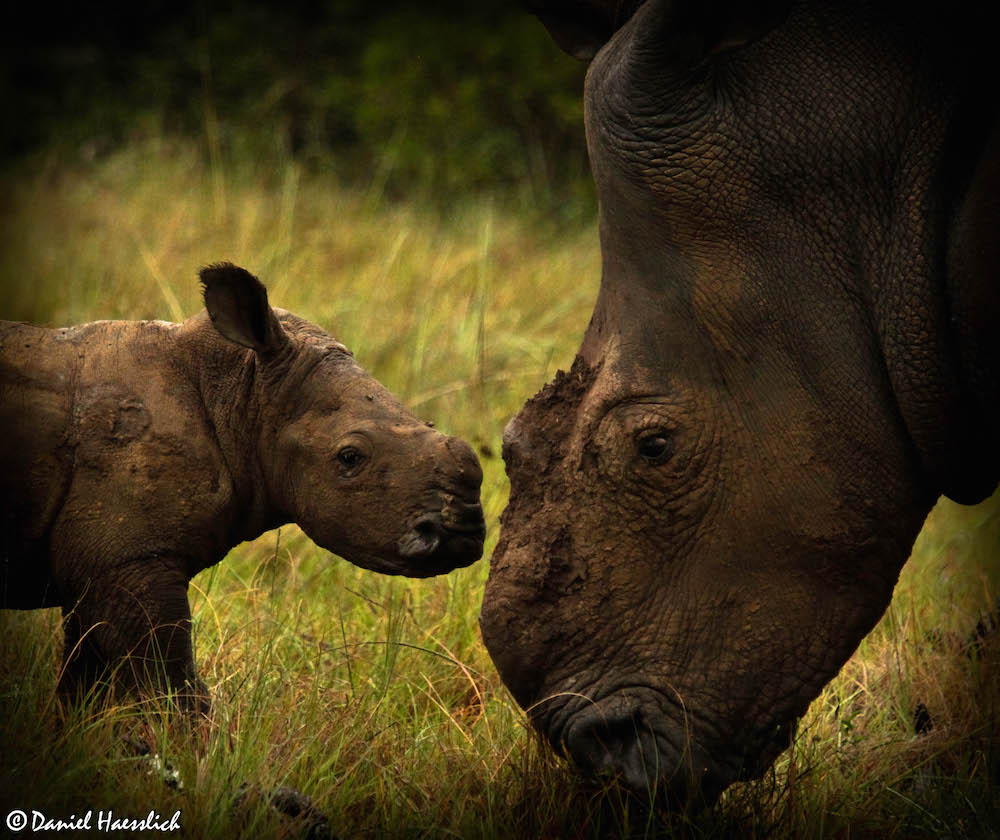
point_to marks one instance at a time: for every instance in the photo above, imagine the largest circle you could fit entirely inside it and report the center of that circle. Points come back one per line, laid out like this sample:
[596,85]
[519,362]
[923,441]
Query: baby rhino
[135,454]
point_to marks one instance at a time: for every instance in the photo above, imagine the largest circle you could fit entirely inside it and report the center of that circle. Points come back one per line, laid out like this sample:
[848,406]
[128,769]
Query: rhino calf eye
[654,448]
[350,459]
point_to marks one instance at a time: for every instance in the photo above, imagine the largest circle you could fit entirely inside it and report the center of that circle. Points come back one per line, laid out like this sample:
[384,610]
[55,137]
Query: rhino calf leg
[133,631]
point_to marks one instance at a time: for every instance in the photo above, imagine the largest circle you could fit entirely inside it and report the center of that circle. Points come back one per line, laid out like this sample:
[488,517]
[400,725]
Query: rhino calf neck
[136,454]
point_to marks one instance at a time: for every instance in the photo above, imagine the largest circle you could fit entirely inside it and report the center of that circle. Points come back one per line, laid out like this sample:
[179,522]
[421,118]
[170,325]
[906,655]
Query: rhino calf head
[339,454]
[136,454]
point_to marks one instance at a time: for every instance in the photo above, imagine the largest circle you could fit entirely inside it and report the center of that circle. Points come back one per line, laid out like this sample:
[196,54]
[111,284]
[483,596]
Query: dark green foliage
[437,97]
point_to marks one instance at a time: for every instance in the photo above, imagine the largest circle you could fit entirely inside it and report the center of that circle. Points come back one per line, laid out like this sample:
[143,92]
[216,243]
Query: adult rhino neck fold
[973,293]
[953,438]
[936,315]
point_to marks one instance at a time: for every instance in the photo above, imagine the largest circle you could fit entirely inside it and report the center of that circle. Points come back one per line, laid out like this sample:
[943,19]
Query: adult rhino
[794,352]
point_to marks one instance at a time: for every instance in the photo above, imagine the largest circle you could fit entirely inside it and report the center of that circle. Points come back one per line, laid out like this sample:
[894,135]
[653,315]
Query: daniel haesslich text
[106,821]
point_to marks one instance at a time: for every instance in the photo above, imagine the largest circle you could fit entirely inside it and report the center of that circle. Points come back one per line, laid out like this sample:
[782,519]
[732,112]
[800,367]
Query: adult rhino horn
[689,29]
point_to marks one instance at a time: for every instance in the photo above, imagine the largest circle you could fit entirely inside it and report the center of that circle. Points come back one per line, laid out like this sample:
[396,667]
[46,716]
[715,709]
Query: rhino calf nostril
[426,528]
[421,540]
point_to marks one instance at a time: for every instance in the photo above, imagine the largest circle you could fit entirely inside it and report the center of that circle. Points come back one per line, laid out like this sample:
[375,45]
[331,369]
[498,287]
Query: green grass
[373,695]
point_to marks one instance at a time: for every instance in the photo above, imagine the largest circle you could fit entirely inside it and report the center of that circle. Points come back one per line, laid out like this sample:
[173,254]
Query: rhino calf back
[38,369]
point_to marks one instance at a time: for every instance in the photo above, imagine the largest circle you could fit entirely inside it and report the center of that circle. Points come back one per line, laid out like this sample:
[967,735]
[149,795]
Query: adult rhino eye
[350,460]
[654,448]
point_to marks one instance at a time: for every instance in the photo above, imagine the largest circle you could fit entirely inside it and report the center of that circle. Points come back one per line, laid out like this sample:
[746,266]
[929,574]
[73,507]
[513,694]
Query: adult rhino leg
[133,628]
[83,666]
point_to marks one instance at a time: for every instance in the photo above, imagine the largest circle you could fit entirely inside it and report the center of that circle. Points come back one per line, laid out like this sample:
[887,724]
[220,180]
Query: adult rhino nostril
[622,745]
[602,746]
[422,540]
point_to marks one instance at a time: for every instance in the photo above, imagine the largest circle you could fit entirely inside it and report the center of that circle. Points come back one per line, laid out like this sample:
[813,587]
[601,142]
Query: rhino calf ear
[237,304]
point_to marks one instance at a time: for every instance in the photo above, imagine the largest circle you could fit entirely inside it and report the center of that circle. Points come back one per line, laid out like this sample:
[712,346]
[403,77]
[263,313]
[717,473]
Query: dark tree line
[446,96]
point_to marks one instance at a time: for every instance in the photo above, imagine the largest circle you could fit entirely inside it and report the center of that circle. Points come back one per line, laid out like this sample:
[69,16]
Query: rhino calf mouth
[441,541]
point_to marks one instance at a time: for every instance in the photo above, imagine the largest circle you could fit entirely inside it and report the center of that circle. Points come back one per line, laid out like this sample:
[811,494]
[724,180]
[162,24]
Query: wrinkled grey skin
[793,354]
[136,454]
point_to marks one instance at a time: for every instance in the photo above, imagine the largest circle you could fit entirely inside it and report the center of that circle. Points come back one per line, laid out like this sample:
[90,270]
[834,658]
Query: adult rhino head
[790,358]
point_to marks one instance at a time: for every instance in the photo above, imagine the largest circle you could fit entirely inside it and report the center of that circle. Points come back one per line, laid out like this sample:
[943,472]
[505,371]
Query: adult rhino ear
[582,27]
[725,25]
[237,304]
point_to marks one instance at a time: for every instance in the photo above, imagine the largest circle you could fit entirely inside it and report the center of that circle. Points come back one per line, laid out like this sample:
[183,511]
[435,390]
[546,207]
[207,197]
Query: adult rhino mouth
[655,755]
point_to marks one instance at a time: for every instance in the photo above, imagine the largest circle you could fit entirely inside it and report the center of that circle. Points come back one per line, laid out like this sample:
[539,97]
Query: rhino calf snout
[468,473]
[449,539]
[452,532]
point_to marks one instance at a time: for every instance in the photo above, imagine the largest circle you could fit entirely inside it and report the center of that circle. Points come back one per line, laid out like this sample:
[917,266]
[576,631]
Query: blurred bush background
[436,98]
